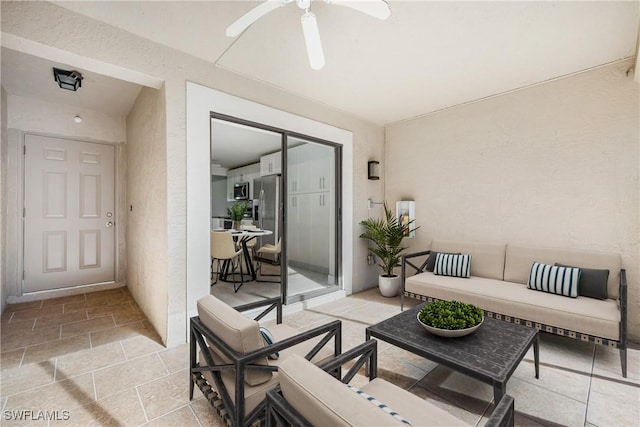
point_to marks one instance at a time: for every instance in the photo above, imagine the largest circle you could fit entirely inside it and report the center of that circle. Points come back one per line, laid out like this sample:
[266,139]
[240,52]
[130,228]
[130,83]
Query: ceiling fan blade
[312,40]
[376,8]
[253,15]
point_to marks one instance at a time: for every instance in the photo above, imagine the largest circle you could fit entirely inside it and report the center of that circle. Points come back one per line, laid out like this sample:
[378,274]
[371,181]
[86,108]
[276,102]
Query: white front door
[69,217]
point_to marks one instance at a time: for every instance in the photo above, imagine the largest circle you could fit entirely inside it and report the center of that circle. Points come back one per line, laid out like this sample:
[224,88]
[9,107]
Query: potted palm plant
[386,235]
[236,213]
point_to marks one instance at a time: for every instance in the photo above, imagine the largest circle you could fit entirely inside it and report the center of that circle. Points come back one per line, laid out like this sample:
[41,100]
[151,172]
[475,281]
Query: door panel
[69,206]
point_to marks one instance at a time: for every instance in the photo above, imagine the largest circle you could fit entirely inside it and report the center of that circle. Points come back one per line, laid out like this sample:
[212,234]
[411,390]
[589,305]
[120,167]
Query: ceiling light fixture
[70,80]
[77,119]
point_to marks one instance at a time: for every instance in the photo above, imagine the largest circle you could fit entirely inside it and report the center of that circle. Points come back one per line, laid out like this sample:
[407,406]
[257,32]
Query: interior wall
[49,25]
[147,206]
[30,115]
[4,153]
[553,165]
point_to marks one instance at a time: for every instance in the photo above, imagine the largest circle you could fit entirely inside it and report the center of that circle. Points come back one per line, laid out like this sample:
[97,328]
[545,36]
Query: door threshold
[63,292]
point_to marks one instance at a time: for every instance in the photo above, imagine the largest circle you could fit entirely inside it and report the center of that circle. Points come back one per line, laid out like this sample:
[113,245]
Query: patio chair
[308,395]
[234,368]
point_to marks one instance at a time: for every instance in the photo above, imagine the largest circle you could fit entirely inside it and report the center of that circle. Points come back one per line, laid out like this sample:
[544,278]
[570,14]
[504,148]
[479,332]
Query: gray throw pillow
[431,261]
[593,282]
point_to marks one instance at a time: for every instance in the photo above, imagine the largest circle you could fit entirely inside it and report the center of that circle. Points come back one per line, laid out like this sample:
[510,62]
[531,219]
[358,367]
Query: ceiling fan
[376,8]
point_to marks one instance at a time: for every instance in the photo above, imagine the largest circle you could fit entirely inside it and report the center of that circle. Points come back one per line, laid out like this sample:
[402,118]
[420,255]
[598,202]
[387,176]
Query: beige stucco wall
[552,165]
[4,152]
[146,202]
[54,26]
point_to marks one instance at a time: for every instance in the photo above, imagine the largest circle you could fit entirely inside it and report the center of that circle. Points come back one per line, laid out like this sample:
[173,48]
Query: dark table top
[491,353]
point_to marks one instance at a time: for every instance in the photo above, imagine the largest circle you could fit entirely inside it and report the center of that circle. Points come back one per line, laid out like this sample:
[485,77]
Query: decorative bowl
[449,333]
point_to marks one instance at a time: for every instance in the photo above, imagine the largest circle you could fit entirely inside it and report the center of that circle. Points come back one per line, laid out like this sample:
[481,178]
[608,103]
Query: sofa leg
[623,361]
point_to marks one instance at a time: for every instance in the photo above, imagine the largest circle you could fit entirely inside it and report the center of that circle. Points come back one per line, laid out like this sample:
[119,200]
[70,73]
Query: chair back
[222,245]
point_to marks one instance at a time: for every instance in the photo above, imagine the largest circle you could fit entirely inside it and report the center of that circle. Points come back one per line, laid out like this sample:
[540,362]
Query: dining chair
[224,250]
[270,253]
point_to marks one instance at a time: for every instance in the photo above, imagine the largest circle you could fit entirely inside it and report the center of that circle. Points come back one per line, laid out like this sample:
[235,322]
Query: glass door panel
[311,225]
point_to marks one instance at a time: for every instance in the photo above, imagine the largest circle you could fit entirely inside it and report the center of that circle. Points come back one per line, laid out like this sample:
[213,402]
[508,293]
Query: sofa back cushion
[324,400]
[236,330]
[487,259]
[520,258]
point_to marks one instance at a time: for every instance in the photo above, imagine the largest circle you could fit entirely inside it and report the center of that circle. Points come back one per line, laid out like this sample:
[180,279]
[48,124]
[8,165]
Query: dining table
[243,237]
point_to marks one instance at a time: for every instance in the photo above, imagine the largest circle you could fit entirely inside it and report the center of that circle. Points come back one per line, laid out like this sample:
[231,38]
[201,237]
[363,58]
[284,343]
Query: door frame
[119,213]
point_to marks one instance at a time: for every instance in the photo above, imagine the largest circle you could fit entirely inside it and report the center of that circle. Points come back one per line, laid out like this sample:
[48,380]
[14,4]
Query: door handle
[110,224]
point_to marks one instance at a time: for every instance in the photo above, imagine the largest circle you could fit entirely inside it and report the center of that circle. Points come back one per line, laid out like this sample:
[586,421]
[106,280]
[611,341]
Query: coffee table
[490,354]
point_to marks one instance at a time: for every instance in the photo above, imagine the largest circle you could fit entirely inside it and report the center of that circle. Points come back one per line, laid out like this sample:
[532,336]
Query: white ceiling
[30,76]
[426,57]
[234,145]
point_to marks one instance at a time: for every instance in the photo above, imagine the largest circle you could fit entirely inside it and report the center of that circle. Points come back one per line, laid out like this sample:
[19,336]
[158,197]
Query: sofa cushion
[519,259]
[236,330]
[593,282]
[452,265]
[554,279]
[586,315]
[488,258]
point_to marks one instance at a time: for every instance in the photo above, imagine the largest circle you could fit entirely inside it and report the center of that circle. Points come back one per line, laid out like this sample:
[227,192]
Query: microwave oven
[241,191]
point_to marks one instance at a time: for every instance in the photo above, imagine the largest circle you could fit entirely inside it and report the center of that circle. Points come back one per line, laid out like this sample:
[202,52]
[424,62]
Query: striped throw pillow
[554,279]
[455,265]
[379,404]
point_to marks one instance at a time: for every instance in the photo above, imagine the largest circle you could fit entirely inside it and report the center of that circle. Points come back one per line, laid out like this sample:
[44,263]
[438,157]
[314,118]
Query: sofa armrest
[623,308]
[417,270]
[503,415]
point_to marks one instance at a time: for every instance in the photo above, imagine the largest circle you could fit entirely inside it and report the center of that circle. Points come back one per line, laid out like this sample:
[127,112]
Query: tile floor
[95,360]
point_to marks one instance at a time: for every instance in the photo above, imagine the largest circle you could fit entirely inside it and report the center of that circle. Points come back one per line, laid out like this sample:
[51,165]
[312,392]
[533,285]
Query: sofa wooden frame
[217,394]
[280,413]
[621,345]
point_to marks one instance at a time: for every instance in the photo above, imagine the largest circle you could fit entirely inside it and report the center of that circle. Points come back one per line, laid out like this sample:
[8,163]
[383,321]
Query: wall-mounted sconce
[70,80]
[373,169]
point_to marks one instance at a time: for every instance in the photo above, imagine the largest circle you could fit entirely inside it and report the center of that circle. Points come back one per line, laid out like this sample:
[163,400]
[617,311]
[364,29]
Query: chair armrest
[366,352]
[503,414]
[272,303]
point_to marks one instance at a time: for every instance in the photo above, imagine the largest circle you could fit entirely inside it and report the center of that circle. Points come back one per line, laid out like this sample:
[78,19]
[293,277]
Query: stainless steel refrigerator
[266,193]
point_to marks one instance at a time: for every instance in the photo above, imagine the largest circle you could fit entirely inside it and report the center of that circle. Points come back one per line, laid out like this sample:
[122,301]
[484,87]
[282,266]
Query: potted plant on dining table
[386,234]
[236,213]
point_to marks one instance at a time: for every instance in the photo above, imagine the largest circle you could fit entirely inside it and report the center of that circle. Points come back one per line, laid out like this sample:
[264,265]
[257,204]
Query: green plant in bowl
[451,315]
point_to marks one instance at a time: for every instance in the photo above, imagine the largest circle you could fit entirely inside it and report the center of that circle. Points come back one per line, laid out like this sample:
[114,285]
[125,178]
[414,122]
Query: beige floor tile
[394,367]
[11,359]
[83,306]
[453,386]
[303,319]
[340,306]
[24,419]
[86,326]
[126,317]
[371,313]
[546,406]
[607,364]
[206,414]
[59,319]
[180,417]
[140,345]
[63,300]
[108,293]
[117,378]
[118,298]
[26,377]
[18,327]
[104,310]
[40,352]
[122,409]
[165,394]
[11,308]
[34,313]
[119,333]
[466,408]
[58,396]
[73,364]
[11,341]
[562,351]
[625,395]
[176,358]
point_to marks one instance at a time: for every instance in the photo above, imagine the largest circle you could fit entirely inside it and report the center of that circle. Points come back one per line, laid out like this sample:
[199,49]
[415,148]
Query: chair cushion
[237,331]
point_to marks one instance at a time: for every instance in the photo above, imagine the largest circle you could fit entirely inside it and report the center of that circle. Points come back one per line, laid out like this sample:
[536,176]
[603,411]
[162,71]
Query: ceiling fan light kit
[376,8]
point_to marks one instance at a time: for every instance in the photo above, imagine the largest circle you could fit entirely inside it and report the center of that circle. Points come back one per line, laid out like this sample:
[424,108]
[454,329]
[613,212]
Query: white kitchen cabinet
[271,164]
[309,234]
[310,169]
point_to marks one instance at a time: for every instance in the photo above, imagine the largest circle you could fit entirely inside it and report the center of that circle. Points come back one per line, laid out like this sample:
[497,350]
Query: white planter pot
[389,286]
